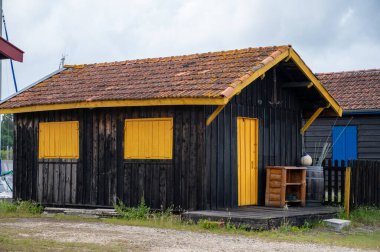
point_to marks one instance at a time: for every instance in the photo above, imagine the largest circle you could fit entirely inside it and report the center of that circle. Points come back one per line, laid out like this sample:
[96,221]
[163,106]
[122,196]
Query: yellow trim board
[122,103]
[317,84]
[311,120]
[259,73]
[347,190]
[214,114]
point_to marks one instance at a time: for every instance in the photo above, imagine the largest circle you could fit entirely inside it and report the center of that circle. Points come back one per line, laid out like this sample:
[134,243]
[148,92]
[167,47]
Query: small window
[58,140]
[150,138]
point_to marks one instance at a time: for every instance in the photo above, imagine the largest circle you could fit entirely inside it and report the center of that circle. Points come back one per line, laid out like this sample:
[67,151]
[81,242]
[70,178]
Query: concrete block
[337,224]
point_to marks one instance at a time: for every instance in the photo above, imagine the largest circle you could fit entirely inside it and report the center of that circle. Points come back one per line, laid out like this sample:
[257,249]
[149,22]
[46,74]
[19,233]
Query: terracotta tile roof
[193,76]
[354,90]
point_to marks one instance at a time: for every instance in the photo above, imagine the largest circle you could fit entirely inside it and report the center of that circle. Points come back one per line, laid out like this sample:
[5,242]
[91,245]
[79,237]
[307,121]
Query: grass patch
[20,209]
[324,237]
[369,216]
[16,243]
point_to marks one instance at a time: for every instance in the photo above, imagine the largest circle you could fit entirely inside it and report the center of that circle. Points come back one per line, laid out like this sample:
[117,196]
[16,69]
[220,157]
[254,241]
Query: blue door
[344,143]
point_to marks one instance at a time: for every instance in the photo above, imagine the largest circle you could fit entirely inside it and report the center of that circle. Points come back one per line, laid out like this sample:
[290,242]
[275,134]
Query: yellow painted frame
[254,189]
[312,119]
[121,103]
[166,119]
[214,114]
[74,149]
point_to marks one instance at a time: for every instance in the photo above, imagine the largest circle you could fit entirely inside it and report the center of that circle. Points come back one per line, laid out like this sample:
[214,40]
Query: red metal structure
[9,51]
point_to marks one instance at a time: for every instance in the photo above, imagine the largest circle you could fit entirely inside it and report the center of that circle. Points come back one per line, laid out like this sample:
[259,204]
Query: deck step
[266,218]
[90,213]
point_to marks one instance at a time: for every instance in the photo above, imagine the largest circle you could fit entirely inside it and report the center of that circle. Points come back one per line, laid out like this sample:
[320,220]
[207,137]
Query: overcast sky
[329,35]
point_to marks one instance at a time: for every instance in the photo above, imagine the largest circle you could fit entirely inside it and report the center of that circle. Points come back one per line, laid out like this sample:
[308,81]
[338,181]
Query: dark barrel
[314,186]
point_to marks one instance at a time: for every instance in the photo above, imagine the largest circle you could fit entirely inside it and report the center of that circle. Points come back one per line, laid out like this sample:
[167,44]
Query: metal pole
[6,37]
[1,66]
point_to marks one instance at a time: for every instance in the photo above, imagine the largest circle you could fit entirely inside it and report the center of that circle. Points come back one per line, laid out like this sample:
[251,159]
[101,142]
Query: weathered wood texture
[279,139]
[203,171]
[365,187]
[101,175]
[334,174]
[258,218]
[365,177]
[368,130]
[284,183]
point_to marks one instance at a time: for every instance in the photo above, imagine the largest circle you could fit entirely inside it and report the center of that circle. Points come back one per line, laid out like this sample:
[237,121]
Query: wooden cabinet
[285,185]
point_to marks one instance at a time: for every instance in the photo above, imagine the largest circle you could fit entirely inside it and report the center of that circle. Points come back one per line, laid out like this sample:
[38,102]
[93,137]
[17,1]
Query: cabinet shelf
[285,185]
[292,201]
[294,183]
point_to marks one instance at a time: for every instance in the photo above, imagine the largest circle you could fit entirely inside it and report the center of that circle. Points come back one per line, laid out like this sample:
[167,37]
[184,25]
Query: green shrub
[142,211]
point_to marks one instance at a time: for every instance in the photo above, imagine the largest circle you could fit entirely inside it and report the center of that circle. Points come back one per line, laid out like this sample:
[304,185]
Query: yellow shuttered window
[58,140]
[148,138]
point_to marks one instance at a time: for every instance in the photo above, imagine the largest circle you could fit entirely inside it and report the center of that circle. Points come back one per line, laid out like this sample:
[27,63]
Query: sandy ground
[149,239]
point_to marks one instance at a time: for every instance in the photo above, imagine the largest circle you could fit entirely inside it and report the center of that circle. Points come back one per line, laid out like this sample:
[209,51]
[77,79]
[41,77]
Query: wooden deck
[258,217]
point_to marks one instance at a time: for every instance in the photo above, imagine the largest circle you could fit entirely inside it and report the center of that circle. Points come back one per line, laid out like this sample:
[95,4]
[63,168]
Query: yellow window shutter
[148,138]
[58,140]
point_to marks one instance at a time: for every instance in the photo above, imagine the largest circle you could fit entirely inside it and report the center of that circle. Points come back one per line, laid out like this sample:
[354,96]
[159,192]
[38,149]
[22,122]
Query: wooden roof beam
[296,84]
[312,118]
[316,83]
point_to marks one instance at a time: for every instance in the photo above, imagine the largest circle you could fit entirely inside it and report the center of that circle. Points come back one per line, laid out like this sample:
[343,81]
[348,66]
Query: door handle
[251,164]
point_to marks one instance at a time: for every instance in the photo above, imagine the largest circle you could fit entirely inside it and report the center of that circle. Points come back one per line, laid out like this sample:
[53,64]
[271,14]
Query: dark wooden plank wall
[365,177]
[368,129]
[101,175]
[279,139]
[203,171]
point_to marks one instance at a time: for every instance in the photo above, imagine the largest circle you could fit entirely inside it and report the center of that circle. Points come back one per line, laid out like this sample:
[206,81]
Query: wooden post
[347,192]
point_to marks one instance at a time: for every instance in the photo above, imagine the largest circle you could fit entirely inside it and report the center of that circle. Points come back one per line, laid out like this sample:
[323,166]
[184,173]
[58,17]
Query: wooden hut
[193,132]
[356,135]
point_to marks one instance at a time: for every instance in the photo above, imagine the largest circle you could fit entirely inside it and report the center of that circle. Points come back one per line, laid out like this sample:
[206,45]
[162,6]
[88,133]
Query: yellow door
[247,140]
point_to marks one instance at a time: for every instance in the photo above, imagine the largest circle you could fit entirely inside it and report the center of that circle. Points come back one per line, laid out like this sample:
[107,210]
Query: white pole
[1,34]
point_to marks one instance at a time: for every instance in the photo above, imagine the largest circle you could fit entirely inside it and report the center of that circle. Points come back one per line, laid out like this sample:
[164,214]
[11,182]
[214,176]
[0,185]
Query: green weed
[142,211]
[307,226]
[20,207]
[206,224]
[366,216]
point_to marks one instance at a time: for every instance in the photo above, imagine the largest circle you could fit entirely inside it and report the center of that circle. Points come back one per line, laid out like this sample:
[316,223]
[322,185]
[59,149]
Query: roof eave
[316,83]
[238,85]
[361,112]
[118,103]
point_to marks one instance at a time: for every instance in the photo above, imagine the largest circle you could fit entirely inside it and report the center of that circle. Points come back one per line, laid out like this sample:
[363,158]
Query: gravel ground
[149,239]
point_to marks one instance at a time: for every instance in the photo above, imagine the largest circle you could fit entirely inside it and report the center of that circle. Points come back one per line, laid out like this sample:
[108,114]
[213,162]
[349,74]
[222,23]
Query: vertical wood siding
[101,175]
[368,135]
[279,139]
[201,175]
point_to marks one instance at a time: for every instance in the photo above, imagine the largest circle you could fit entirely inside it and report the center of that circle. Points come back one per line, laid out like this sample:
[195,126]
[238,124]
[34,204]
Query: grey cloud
[329,35]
